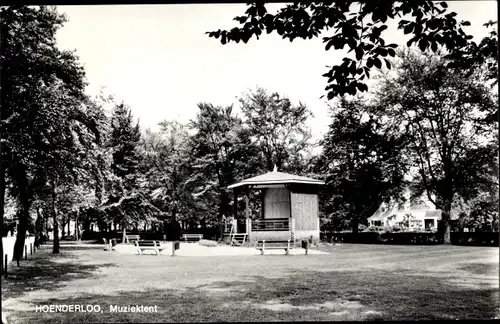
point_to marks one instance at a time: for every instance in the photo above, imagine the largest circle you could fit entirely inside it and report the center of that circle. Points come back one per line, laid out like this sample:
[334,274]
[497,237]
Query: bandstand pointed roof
[275,177]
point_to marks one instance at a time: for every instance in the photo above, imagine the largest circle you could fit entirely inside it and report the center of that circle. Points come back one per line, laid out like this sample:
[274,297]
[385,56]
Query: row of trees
[435,124]
[65,156]
[428,127]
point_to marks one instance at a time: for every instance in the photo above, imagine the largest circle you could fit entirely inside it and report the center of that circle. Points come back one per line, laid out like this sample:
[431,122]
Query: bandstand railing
[282,224]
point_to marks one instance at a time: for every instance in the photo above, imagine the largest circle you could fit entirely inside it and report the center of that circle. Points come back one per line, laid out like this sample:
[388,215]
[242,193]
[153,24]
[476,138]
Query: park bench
[274,245]
[187,237]
[148,245]
[132,238]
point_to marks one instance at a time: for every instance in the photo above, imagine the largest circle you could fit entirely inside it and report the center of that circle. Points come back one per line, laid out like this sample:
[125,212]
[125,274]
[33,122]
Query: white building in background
[417,214]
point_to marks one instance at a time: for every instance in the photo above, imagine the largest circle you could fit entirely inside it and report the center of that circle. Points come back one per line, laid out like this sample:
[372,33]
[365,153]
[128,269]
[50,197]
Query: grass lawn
[355,282]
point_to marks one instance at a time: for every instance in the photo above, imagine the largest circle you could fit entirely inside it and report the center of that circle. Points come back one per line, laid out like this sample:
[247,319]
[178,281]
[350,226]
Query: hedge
[98,236]
[475,238]
[457,238]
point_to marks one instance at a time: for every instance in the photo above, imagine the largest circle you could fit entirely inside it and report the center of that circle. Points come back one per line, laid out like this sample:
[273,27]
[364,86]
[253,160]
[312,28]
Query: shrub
[396,228]
[379,229]
[475,238]
[362,227]
[208,243]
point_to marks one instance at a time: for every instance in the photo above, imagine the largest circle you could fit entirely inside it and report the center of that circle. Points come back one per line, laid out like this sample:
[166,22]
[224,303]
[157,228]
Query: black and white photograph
[213,162]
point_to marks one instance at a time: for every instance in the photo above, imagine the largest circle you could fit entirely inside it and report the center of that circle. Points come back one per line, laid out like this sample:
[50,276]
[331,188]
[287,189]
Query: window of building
[429,223]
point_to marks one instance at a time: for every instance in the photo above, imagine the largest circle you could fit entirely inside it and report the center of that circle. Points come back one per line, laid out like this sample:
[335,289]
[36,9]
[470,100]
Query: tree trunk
[21,232]
[461,223]
[223,206]
[124,232]
[63,228]
[355,225]
[38,227]
[86,225]
[25,204]
[165,229]
[55,244]
[2,203]
[174,214]
[354,219]
[494,223]
[77,229]
[446,212]
[47,225]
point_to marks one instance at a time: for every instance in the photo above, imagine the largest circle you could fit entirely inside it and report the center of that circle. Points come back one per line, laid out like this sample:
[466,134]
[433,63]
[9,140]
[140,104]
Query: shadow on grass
[479,268]
[300,296]
[48,273]
[382,295]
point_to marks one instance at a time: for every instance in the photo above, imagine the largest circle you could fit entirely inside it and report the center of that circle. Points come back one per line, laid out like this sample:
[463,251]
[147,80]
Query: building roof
[433,213]
[276,177]
[384,212]
[419,206]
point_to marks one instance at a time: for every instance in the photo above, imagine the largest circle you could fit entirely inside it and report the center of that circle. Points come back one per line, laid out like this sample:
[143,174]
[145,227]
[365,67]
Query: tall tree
[42,87]
[66,147]
[360,25]
[167,167]
[277,127]
[124,140]
[361,163]
[221,155]
[445,115]
[125,200]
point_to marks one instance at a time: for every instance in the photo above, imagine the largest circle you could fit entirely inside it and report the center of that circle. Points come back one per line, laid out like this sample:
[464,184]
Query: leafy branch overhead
[360,26]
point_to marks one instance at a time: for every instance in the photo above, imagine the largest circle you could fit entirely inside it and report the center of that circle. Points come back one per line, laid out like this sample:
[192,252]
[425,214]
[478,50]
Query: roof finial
[275,168]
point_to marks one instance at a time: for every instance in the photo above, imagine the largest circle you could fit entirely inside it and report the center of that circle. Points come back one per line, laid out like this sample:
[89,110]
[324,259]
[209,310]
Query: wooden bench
[187,237]
[148,245]
[132,238]
[274,245]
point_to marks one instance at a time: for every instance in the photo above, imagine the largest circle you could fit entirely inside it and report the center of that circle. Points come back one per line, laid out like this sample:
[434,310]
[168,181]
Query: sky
[159,61]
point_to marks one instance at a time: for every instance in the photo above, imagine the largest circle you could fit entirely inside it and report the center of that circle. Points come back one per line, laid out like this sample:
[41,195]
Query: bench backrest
[271,244]
[132,238]
[148,243]
[192,235]
[274,241]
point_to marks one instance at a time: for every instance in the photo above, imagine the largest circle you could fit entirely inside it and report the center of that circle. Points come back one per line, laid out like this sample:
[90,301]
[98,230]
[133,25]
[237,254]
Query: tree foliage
[166,168]
[360,26]
[278,128]
[48,123]
[65,159]
[361,164]
[445,116]
[217,148]
[126,202]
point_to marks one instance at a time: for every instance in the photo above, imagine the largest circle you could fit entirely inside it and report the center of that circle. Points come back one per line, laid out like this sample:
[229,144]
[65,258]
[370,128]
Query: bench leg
[139,251]
[262,251]
[157,252]
[286,251]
